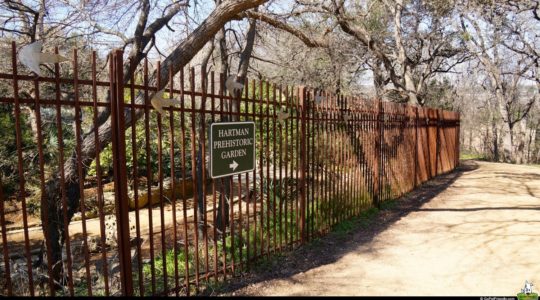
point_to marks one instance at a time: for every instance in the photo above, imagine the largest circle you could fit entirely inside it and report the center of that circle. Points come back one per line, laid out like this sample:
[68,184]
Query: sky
[182,24]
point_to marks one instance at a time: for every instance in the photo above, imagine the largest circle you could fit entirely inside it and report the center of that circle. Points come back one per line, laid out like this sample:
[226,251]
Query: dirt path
[472,232]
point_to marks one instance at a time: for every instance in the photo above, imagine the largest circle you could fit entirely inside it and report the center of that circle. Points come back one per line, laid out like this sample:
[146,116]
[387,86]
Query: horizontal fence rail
[103,195]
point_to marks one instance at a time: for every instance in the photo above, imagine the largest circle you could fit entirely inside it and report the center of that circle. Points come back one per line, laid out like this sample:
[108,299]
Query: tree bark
[222,218]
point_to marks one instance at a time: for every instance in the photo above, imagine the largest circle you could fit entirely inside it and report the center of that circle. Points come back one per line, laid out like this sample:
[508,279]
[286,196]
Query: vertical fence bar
[373,172]
[78,142]
[62,179]
[214,197]
[202,149]
[160,185]
[312,129]
[149,175]
[173,185]
[44,200]
[415,146]
[377,165]
[266,94]
[280,164]
[261,155]
[358,164]
[99,195]
[253,201]
[319,159]
[345,170]
[135,175]
[221,186]
[5,250]
[184,200]
[427,118]
[437,143]
[247,175]
[340,191]
[335,155]
[194,175]
[21,193]
[274,196]
[303,111]
[458,134]
[287,158]
[120,175]
[297,152]
[327,160]
[310,196]
[230,181]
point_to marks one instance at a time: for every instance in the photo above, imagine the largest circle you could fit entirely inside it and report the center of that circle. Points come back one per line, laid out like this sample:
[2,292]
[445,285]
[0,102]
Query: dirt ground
[471,232]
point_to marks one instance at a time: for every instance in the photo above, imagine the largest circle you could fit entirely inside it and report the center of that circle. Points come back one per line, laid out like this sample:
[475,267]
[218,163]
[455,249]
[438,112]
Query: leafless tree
[485,34]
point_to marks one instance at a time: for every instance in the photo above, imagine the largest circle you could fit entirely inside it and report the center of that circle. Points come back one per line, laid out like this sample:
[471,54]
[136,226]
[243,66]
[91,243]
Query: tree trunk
[411,89]
[511,133]
[224,186]
[470,140]
[222,218]
[495,141]
[378,79]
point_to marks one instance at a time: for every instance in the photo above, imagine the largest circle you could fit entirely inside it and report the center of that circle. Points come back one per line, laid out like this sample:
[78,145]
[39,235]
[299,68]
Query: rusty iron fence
[142,217]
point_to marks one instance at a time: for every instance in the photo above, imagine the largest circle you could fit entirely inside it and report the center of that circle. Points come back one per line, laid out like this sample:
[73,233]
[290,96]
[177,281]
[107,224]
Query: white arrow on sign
[234,165]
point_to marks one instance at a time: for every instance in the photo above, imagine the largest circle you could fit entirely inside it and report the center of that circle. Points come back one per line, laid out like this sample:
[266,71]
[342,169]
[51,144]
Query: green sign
[232,148]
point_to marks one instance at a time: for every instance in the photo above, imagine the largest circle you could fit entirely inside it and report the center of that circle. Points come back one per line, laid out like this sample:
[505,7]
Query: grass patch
[390,204]
[340,230]
[472,155]
[168,264]
[364,220]
[328,212]
[268,263]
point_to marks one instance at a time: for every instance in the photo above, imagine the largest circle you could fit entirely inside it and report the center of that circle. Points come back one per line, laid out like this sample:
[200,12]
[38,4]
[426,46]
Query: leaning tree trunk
[55,189]
[222,219]
[200,166]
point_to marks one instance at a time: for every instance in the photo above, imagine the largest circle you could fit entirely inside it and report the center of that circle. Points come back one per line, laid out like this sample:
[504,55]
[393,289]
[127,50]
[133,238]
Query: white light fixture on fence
[31,56]
[318,99]
[282,115]
[233,86]
[158,102]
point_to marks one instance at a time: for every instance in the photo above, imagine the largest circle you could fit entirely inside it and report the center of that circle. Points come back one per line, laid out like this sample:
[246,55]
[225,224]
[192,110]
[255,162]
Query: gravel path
[471,232]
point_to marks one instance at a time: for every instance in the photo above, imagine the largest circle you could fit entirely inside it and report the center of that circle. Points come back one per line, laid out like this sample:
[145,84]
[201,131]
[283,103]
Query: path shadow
[334,246]
[479,208]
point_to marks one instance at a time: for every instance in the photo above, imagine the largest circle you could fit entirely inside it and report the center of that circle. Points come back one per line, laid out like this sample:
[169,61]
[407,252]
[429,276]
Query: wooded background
[479,58]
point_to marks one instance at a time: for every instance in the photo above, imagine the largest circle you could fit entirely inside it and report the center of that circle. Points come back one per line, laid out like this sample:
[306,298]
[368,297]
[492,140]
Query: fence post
[458,140]
[415,146]
[120,175]
[303,138]
[438,142]
[378,157]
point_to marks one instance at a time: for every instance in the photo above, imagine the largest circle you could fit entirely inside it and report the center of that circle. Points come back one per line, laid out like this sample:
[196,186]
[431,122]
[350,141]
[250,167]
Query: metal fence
[140,218]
